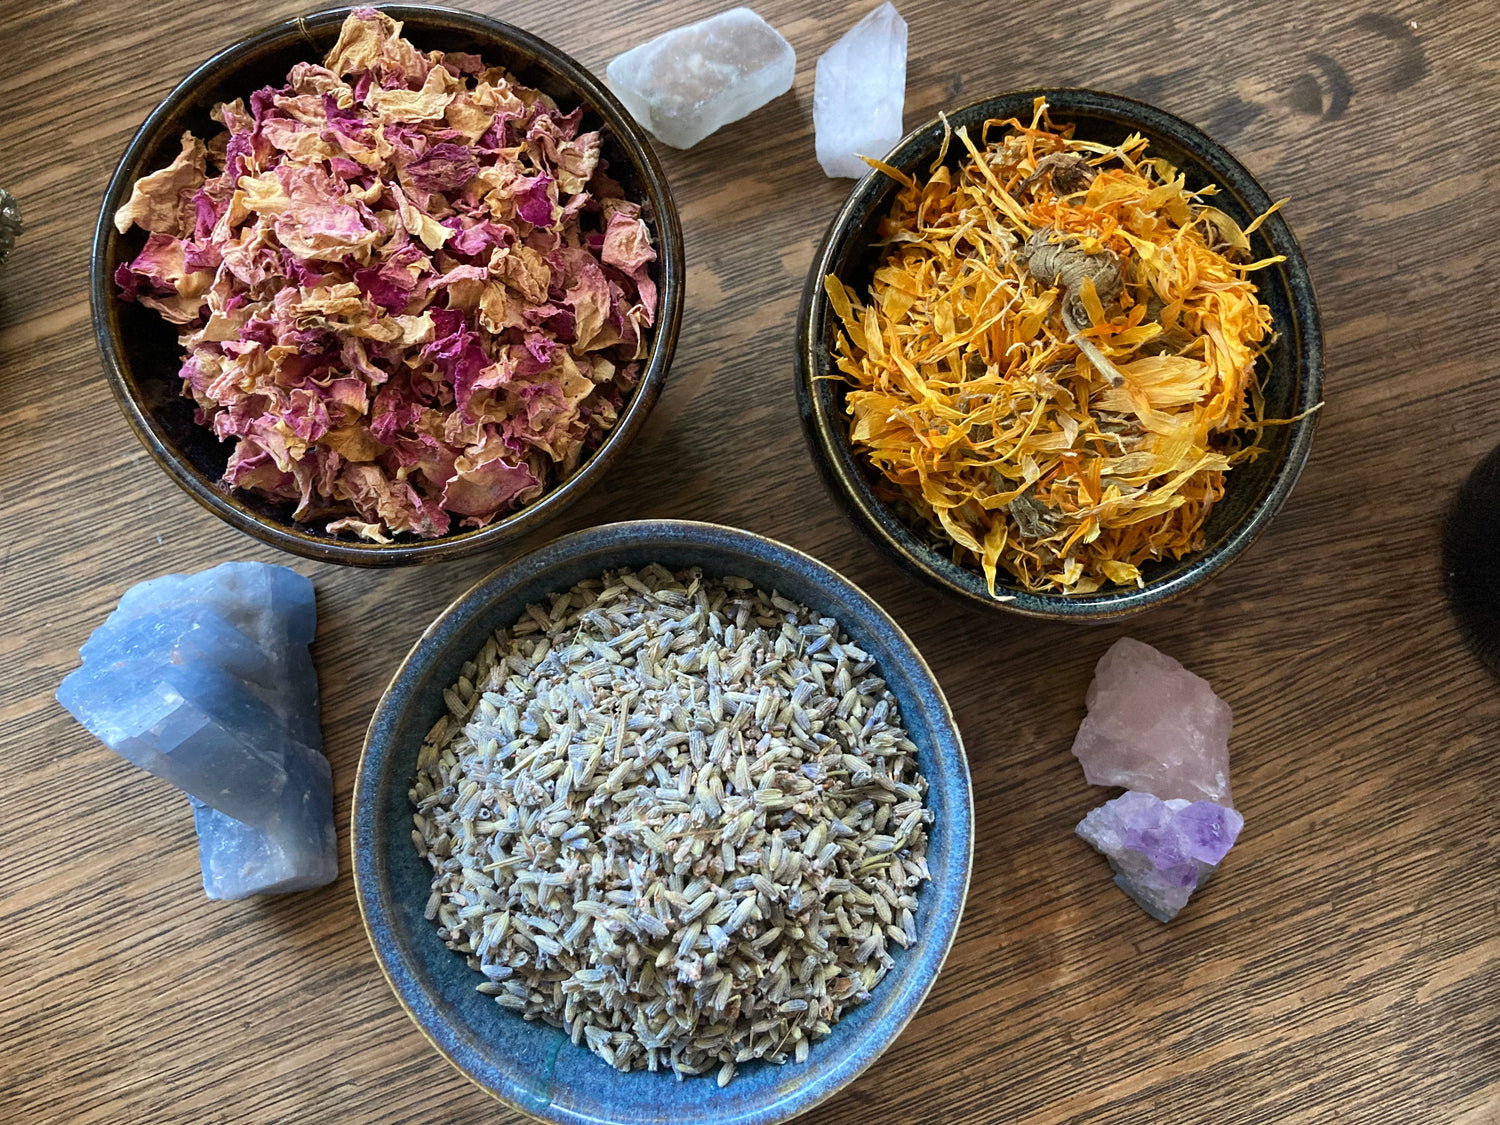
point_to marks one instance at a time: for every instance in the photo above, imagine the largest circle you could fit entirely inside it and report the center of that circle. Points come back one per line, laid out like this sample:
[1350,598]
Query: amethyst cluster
[1162,733]
[1161,851]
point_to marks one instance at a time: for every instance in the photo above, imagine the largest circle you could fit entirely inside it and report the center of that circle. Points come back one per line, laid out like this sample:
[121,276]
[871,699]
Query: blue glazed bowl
[530,1066]
[1291,372]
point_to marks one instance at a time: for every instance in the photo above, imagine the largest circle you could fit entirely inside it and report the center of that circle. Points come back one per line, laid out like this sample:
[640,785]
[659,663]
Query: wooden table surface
[1344,966]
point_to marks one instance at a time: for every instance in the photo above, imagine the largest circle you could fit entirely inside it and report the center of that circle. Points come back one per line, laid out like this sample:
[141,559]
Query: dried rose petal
[409,293]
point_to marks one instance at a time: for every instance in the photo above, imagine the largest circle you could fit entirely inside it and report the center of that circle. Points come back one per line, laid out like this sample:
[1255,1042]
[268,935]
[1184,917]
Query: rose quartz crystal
[1153,726]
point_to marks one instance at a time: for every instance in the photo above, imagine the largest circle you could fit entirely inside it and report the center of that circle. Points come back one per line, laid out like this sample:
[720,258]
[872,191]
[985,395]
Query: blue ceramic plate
[535,1068]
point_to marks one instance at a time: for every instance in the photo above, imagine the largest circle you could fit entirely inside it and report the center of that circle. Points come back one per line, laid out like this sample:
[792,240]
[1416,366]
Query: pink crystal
[1153,726]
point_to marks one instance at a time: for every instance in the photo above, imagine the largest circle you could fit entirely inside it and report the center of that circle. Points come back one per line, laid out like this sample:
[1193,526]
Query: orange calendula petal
[994,420]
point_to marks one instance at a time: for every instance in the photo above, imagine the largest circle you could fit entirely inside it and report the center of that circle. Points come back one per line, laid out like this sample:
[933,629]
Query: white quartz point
[860,92]
[692,80]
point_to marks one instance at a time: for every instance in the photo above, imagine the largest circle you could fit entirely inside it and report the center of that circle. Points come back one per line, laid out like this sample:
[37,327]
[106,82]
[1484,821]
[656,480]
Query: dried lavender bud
[678,817]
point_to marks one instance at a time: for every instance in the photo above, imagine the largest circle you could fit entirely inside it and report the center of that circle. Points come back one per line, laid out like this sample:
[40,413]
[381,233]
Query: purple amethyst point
[1161,851]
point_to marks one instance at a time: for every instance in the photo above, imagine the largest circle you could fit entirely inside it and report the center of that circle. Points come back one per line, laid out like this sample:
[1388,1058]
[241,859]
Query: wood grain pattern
[1343,967]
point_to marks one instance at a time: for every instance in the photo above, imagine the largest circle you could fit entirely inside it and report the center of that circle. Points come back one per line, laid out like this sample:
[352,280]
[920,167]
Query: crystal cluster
[206,682]
[1161,851]
[690,81]
[1161,732]
[860,92]
[10,224]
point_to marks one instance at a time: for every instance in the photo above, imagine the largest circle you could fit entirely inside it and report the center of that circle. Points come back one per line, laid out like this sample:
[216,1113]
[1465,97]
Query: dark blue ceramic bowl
[1291,374]
[530,1066]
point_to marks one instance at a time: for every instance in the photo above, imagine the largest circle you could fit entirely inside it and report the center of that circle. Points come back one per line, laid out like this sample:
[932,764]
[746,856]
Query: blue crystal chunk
[300,851]
[206,681]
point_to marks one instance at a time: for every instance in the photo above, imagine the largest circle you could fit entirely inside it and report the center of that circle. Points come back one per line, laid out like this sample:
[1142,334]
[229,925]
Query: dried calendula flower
[1055,365]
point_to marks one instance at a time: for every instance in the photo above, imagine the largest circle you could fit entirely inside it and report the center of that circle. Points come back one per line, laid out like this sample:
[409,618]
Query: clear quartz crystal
[690,81]
[206,681]
[1161,851]
[1154,726]
[860,92]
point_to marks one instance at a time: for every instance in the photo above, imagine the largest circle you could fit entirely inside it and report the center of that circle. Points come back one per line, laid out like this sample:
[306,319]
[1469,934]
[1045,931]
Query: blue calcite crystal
[295,851]
[206,681]
[1161,851]
[238,861]
[192,725]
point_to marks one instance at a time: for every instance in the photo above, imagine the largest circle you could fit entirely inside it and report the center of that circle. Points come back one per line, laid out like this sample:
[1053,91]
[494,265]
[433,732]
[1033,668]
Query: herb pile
[678,817]
[406,287]
[1055,366]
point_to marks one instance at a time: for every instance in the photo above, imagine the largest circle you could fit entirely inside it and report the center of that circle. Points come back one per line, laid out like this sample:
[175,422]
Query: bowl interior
[1291,371]
[142,349]
[535,1067]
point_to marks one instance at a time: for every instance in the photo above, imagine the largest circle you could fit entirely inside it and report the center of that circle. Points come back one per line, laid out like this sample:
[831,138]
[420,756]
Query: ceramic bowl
[1292,371]
[140,351]
[535,1068]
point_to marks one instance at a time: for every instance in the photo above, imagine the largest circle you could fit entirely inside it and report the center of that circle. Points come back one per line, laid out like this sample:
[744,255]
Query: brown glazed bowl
[1291,372]
[140,351]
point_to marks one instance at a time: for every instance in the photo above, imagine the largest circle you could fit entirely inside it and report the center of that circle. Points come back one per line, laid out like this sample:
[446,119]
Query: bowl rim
[228,506]
[841,474]
[364,804]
